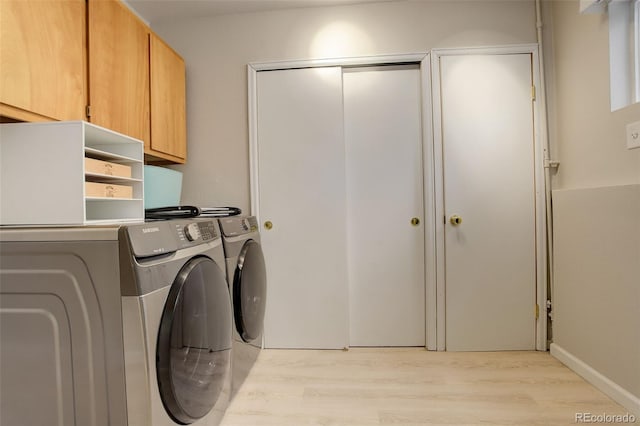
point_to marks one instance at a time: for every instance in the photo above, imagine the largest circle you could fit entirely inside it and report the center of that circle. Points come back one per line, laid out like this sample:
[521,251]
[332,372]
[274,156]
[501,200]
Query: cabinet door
[118,69]
[168,99]
[42,45]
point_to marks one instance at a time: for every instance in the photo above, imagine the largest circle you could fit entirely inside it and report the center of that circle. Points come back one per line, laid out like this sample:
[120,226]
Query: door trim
[539,186]
[424,61]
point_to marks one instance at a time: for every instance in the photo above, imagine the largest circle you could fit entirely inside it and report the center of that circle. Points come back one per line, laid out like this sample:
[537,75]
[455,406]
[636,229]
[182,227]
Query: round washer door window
[194,341]
[250,291]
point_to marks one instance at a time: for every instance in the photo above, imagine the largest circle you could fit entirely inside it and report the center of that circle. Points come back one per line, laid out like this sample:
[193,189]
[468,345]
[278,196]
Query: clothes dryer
[246,274]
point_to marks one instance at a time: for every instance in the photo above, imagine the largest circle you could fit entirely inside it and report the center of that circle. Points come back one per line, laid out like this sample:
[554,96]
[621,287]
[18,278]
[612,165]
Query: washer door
[250,292]
[194,341]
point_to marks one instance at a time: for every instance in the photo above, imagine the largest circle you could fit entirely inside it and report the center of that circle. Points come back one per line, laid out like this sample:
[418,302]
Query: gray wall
[218,49]
[596,203]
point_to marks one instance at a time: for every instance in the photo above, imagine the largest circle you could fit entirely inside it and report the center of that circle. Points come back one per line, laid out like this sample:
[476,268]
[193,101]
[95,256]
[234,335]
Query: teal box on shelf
[162,187]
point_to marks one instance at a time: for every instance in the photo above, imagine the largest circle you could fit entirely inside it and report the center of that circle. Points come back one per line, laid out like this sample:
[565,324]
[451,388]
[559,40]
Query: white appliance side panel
[384,192]
[301,168]
[488,149]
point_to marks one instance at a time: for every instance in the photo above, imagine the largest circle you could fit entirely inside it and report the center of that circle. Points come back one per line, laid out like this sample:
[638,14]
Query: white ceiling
[154,11]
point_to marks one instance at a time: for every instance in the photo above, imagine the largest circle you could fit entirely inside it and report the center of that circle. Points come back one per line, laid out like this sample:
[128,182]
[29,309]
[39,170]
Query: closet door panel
[385,213]
[301,178]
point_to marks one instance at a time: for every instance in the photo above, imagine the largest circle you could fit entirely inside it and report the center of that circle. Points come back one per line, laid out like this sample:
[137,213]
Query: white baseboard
[606,385]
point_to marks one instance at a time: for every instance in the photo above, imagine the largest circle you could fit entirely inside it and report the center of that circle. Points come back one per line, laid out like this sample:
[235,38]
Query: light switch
[633,135]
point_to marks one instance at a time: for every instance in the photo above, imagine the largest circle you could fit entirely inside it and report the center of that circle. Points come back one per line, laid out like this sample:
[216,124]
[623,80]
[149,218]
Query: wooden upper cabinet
[42,57]
[58,56]
[168,103]
[118,69]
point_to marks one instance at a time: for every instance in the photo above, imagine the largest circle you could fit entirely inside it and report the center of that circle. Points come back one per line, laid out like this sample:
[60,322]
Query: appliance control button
[192,232]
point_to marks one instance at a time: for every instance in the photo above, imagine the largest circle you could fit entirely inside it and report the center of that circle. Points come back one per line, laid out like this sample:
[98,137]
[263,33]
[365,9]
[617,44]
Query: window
[636,32]
[624,49]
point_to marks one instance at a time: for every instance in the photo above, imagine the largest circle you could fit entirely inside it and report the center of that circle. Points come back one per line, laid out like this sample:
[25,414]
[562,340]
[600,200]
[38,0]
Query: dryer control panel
[233,226]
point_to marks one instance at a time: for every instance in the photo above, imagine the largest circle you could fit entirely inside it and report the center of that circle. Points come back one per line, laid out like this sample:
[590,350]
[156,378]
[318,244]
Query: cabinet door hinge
[533,93]
[88,111]
[537,311]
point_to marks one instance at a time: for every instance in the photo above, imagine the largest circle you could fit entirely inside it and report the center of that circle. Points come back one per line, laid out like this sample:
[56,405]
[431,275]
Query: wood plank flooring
[412,386]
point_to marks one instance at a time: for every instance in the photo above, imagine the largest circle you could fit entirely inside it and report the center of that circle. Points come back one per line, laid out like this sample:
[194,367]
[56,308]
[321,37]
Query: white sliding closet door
[301,178]
[385,213]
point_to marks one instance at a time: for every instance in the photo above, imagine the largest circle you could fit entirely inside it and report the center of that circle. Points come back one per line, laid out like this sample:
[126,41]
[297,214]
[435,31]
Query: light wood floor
[413,387]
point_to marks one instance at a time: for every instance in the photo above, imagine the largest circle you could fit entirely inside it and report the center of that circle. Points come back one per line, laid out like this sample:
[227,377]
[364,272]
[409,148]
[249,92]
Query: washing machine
[177,322]
[114,325]
[246,275]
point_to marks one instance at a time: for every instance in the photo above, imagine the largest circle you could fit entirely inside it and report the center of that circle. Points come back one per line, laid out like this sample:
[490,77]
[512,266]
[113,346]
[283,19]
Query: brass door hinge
[88,111]
[537,311]
[533,93]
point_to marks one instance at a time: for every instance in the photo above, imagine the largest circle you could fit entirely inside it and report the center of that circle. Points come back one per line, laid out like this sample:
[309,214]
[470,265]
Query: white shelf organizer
[42,174]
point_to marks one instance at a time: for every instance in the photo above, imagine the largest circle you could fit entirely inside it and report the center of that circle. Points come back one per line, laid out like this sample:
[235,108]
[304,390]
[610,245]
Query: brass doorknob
[415,221]
[455,220]
[268,225]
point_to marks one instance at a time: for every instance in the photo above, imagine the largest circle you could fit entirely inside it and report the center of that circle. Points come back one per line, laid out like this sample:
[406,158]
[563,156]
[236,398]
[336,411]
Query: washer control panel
[195,232]
[208,230]
[167,236]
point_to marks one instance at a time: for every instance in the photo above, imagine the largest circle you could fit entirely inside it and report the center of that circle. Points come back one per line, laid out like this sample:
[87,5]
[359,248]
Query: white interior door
[301,177]
[488,161]
[384,175]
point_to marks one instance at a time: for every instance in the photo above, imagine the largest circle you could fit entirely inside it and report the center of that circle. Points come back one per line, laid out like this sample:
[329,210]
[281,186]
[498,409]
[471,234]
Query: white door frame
[438,199]
[422,59]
